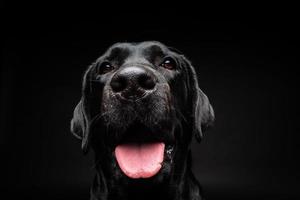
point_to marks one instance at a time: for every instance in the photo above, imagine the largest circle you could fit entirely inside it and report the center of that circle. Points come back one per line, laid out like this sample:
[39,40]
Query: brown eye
[168,63]
[105,67]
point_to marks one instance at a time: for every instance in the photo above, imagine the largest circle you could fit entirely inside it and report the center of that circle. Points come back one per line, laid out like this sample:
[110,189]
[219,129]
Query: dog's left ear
[202,112]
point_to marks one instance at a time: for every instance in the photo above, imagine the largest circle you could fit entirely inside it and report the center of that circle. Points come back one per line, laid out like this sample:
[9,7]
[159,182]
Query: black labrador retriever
[140,107]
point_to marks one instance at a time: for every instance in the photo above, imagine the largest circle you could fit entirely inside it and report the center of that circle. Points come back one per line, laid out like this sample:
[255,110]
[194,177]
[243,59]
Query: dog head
[140,107]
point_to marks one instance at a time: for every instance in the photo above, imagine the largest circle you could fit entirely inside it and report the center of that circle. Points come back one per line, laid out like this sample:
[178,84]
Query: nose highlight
[133,82]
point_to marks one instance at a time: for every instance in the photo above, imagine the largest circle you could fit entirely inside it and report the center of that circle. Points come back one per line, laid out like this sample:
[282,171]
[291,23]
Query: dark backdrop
[245,64]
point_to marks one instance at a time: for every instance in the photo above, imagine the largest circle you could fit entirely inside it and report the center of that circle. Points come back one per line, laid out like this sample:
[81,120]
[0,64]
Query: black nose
[133,82]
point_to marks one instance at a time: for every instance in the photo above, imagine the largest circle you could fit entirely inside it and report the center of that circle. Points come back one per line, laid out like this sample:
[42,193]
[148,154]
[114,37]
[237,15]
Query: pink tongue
[140,160]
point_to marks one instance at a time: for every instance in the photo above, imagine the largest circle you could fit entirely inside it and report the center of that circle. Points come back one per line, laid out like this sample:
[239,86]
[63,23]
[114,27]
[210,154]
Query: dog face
[140,106]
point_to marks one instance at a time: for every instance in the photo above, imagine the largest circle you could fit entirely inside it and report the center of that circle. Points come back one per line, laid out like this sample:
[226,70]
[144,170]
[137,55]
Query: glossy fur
[173,110]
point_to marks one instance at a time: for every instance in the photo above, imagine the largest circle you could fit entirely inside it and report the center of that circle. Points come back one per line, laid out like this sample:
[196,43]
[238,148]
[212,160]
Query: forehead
[147,49]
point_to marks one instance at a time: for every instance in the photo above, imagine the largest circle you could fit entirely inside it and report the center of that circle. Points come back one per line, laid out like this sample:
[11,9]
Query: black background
[246,64]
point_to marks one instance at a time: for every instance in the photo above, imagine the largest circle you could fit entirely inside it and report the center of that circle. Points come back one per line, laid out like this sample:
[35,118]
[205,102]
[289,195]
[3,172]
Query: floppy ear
[80,121]
[202,112]
[79,125]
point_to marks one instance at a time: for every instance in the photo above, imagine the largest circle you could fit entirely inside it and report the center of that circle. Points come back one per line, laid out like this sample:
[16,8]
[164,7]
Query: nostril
[146,81]
[118,84]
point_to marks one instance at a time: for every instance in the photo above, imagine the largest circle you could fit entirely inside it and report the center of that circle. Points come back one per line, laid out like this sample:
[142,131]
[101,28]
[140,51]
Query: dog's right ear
[79,125]
[80,121]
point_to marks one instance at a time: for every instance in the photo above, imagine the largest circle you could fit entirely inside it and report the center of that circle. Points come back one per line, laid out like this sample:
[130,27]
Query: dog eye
[168,63]
[105,67]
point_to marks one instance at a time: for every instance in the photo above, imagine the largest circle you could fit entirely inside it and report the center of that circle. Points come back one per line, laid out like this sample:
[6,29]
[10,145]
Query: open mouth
[142,152]
[140,160]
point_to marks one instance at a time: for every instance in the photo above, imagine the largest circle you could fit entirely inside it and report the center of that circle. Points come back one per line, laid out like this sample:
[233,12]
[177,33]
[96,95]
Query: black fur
[176,110]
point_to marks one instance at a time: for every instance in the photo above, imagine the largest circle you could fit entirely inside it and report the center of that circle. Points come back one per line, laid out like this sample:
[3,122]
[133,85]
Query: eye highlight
[105,67]
[168,63]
